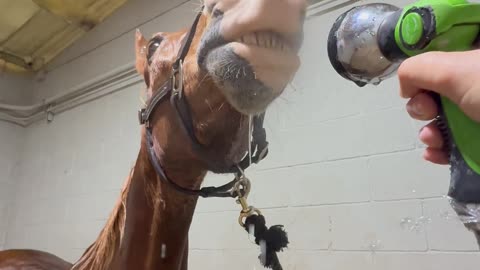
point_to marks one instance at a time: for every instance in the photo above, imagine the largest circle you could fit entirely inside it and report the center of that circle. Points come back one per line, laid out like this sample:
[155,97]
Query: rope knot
[272,240]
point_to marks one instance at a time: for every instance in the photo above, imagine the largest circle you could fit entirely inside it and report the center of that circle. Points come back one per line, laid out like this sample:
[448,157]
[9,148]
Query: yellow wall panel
[41,29]
[13,14]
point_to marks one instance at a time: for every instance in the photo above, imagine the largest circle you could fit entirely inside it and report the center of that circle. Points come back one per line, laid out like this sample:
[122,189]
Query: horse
[208,88]
[23,259]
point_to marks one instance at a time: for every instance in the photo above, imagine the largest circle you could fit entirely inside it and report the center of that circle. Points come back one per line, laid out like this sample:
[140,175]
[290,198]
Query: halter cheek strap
[173,85]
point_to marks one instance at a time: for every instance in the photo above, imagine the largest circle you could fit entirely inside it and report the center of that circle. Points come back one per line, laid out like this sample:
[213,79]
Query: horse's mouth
[252,70]
[267,40]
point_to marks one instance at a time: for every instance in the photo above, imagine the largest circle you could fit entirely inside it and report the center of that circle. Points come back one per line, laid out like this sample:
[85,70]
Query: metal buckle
[142,118]
[243,184]
[177,89]
[141,115]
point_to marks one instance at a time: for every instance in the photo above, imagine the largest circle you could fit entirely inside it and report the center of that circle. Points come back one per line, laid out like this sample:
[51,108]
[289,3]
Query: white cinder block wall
[344,173]
[13,90]
[10,152]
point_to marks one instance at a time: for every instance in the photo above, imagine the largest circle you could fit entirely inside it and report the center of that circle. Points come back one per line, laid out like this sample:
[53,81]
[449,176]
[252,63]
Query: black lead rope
[271,240]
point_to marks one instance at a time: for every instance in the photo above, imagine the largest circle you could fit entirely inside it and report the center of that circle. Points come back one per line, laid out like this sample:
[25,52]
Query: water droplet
[424,220]
[414,225]
[406,222]
[164,251]
[446,215]
[375,245]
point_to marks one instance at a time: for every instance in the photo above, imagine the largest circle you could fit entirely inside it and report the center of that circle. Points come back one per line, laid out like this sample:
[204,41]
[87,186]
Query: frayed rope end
[274,238]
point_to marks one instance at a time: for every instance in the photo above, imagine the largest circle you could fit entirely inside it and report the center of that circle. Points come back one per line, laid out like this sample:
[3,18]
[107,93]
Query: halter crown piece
[272,239]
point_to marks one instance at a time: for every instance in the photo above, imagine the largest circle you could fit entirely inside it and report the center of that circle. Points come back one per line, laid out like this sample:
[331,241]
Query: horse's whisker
[250,134]
[221,106]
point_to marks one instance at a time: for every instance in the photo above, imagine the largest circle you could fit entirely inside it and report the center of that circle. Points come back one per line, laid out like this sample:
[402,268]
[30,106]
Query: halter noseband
[173,88]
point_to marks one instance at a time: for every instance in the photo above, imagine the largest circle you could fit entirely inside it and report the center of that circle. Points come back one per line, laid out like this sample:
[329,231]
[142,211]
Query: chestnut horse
[203,84]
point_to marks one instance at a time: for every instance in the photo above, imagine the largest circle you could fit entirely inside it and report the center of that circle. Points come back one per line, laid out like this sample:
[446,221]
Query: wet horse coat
[31,260]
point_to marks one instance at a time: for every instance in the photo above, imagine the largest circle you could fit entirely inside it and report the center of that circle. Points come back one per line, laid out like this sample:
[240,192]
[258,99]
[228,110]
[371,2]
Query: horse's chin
[237,80]
[249,77]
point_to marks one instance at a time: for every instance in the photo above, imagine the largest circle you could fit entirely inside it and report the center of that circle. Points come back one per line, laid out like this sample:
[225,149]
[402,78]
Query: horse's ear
[140,52]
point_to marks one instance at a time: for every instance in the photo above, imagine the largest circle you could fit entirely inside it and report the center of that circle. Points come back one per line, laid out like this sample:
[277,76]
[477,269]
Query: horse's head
[242,56]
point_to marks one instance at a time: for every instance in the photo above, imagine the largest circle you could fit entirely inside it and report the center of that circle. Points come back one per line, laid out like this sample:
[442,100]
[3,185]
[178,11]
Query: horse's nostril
[217,13]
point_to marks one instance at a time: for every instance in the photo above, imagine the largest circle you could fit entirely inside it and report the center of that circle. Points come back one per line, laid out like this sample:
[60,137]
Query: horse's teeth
[274,42]
[268,40]
[250,39]
[259,39]
[264,40]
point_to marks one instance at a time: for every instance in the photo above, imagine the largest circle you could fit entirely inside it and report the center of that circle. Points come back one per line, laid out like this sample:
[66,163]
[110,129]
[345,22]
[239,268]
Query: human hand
[455,75]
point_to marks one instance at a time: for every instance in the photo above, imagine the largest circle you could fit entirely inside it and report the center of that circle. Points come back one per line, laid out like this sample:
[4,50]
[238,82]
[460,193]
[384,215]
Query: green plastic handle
[465,132]
[456,27]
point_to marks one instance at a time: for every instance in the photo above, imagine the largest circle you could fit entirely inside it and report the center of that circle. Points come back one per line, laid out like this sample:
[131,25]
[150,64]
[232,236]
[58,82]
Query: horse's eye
[152,48]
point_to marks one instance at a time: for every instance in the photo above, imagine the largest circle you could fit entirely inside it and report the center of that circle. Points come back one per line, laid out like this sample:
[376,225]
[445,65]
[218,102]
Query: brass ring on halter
[245,214]
[243,184]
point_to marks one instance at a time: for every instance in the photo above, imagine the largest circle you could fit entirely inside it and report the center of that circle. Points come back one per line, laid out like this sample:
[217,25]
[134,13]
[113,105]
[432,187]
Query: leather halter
[173,89]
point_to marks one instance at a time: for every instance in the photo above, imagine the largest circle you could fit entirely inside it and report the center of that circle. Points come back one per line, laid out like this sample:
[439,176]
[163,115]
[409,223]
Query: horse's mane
[100,254]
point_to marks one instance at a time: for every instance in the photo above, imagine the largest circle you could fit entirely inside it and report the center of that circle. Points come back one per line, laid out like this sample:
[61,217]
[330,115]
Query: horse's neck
[157,222]
[149,227]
